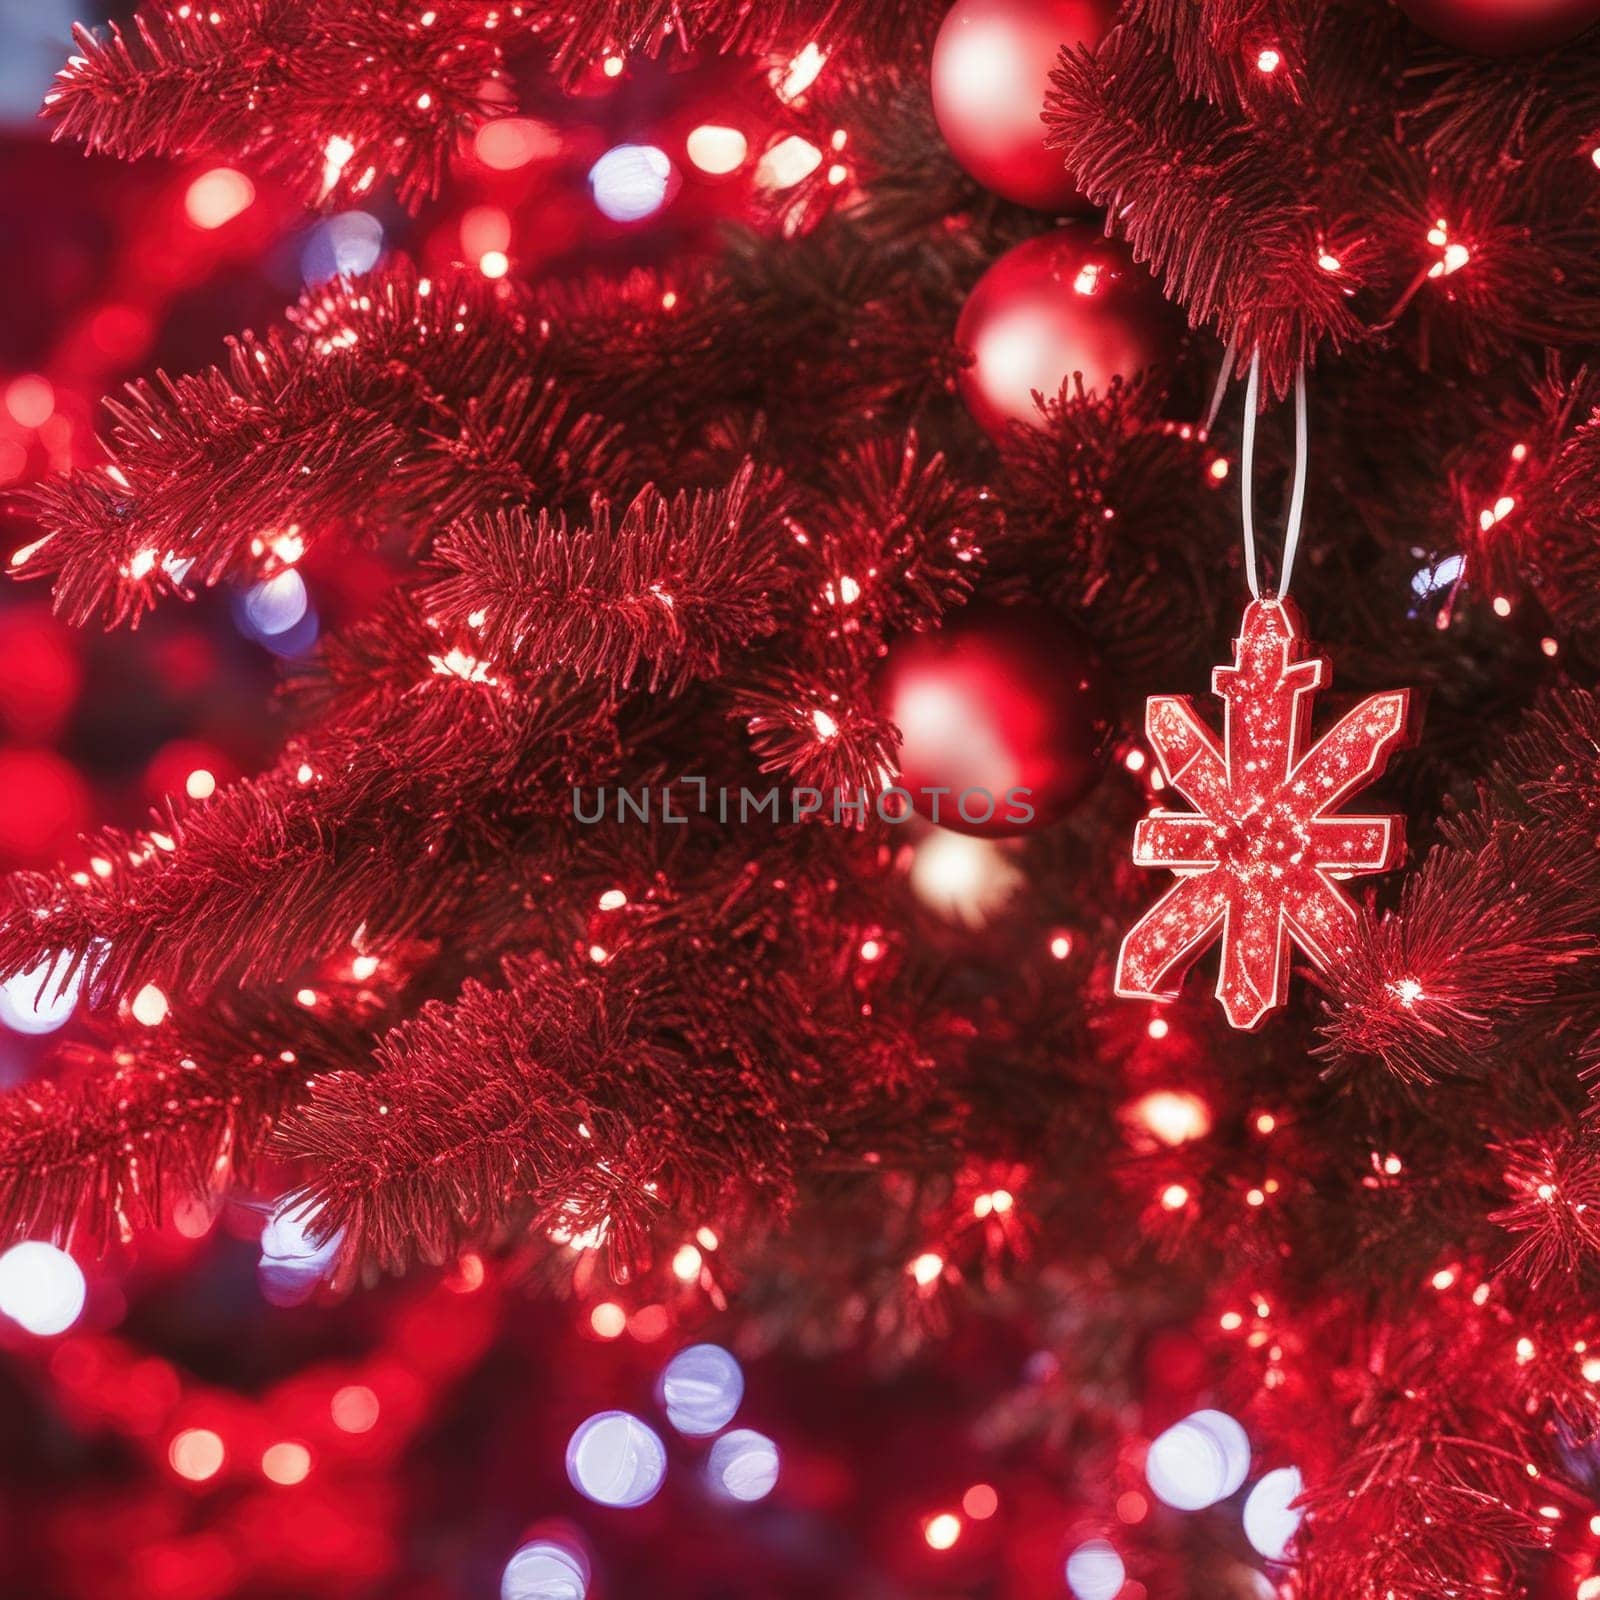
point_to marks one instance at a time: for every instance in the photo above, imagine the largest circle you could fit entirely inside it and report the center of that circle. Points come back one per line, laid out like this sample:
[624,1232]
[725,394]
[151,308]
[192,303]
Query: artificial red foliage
[658,531]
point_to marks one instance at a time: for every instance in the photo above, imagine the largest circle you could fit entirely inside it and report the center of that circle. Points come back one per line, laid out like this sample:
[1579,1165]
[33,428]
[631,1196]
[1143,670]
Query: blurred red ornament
[1503,27]
[1000,700]
[1260,859]
[47,807]
[1066,302]
[991,72]
[40,673]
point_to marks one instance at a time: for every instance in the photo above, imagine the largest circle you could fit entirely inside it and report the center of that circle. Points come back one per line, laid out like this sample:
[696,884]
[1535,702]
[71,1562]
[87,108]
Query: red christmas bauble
[991,72]
[1005,718]
[1065,302]
[1503,27]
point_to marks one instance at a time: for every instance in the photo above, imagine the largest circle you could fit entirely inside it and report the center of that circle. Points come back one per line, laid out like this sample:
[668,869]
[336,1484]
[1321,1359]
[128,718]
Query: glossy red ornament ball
[991,72]
[1503,27]
[999,700]
[1066,302]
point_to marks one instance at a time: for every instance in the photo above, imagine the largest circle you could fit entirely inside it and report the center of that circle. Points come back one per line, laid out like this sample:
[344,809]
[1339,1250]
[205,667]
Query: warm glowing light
[286,1463]
[963,878]
[1061,945]
[336,154]
[787,162]
[196,1454]
[790,82]
[1230,1321]
[149,1006]
[927,1269]
[1219,468]
[612,66]
[511,142]
[1329,262]
[363,968]
[872,949]
[1525,1351]
[942,1531]
[613,900]
[1136,760]
[484,228]
[1269,61]
[1407,991]
[494,263]
[1549,646]
[200,784]
[608,1320]
[1088,279]
[1502,606]
[354,1409]
[715,149]
[980,1502]
[1174,1116]
[1174,1197]
[30,400]
[215,198]
[686,1263]
[825,725]
[1158,1028]
[1265,1122]
[649,1323]
[1444,1278]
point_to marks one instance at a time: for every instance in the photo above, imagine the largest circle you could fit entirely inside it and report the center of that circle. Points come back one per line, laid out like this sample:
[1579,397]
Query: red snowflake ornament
[1258,861]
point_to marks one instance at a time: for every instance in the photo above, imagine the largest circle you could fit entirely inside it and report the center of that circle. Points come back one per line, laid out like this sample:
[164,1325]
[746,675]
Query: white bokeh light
[342,246]
[1271,1518]
[1198,1461]
[546,1569]
[41,1287]
[1095,1571]
[701,1388]
[36,1001]
[292,1264]
[962,878]
[616,1460]
[631,181]
[744,1464]
[276,604]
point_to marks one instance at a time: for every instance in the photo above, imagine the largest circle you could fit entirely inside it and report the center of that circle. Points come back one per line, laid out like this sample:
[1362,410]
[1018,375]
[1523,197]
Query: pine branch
[180,1113]
[865,29]
[427,773]
[1496,924]
[669,588]
[1213,208]
[575,1103]
[398,401]
[335,95]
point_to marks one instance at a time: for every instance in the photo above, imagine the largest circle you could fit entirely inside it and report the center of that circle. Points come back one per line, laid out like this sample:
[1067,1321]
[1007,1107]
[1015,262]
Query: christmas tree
[594,942]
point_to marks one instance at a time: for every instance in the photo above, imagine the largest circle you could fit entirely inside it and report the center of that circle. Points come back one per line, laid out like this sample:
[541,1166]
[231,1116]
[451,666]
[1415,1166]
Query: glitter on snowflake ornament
[1258,861]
